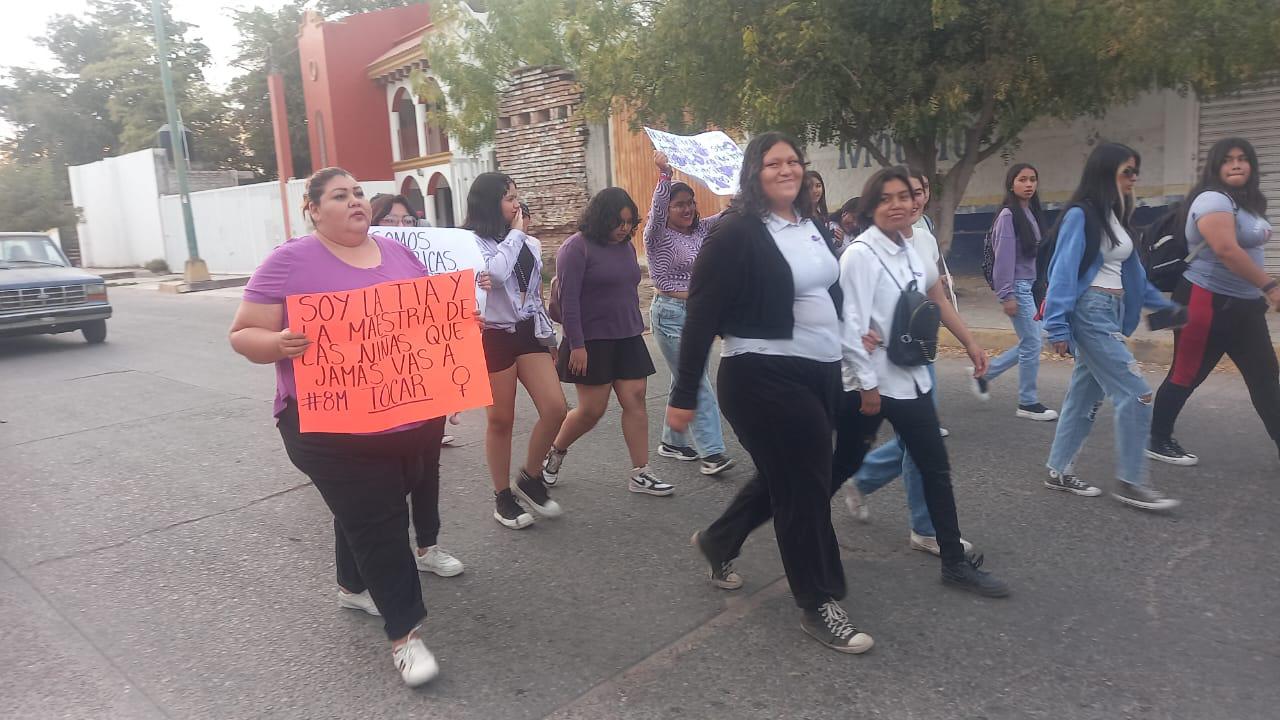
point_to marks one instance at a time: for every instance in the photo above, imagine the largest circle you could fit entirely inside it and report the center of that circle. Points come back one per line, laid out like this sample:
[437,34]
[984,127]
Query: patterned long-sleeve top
[671,252]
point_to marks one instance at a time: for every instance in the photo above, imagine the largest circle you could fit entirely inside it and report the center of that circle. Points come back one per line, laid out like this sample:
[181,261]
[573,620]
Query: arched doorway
[442,200]
[407,121]
[413,193]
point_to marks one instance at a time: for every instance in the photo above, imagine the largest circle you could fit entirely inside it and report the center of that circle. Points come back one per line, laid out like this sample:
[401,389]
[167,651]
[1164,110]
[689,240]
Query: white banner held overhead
[712,157]
[442,250]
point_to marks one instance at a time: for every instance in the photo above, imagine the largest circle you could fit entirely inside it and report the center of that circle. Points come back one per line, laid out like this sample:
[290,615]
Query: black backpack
[989,257]
[913,339]
[1162,246]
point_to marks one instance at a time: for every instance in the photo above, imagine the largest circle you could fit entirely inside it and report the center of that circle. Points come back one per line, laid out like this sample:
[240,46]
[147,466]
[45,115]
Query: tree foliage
[33,197]
[269,38]
[833,71]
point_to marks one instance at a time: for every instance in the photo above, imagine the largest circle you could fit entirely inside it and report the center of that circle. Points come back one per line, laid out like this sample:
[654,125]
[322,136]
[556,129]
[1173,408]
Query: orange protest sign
[389,354]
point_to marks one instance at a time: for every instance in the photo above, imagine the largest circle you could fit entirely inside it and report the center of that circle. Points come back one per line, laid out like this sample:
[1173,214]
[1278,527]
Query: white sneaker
[415,662]
[439,562]
[856,502]
[644,481]
[928,544]
[446,439]
[944,432]
[358,601]
[1036,411]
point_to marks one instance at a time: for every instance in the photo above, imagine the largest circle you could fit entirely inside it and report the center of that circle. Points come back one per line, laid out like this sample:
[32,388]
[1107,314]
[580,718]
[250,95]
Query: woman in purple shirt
[672,240]
[362,478]
[603,349]
[1015,238]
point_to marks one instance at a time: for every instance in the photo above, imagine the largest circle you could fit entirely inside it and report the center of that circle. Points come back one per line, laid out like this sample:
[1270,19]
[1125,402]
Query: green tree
[104,96]
[33,197]
[268,37]
[847,71]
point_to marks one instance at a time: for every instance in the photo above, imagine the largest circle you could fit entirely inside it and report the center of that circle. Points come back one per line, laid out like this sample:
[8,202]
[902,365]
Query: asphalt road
[161,558]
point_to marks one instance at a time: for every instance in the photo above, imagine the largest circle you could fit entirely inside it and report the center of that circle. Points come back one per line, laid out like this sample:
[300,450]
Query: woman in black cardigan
[766,282]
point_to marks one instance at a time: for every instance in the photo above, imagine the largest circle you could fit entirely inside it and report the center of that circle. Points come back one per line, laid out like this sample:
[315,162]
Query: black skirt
[608,360]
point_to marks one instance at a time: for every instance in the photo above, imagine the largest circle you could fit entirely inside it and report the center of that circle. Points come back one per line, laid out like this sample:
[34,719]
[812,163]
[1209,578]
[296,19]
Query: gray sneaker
[1068,482]
[551,466]
[1141,497]
[830,625]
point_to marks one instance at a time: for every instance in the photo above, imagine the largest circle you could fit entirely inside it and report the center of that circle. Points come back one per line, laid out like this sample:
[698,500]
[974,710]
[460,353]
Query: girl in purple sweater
[1015,238]
[597,276]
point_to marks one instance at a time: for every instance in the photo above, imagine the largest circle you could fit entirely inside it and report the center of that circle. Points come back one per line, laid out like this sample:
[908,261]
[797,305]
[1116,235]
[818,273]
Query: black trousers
[364,479]
[425,490]
[782,410]
[1217,325]
[916,422]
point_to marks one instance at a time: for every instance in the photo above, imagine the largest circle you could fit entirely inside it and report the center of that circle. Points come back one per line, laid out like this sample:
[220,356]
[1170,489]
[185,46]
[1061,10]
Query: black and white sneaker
[677,452]
[830,625]
[715,464]
[1037,411]
[980,387]
[1144,498]
[721,573]
[551,466]
[1068,482]
[965,575]
[508,512]
[1169,451]
[644,481]
[535,496]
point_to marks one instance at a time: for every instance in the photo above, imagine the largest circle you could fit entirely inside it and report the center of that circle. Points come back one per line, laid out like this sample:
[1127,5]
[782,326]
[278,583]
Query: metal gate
[1253,114]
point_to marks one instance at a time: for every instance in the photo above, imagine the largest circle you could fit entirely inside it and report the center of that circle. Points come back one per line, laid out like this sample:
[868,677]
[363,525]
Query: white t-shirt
[926,246]
[1113,257]
[816,333]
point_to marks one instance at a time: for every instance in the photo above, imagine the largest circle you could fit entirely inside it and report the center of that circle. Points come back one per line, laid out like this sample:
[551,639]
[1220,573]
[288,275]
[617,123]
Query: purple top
[305,265]
[598,285]
[671,252]
[1010,265]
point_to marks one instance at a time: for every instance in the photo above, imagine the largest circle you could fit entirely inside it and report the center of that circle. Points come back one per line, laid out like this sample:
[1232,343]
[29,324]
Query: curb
[180,287]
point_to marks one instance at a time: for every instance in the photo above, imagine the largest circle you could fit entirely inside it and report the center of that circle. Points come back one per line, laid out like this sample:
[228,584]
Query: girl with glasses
[1097,289]
[672,240]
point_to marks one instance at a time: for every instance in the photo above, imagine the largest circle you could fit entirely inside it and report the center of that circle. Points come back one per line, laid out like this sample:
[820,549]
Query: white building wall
[118,204]
[1160,126]
[236,228]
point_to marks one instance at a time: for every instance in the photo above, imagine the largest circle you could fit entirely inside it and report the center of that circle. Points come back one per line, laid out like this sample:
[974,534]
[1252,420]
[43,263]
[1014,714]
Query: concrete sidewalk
[991,328]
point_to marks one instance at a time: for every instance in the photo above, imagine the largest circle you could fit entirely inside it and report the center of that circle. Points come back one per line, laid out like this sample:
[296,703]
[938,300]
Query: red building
[346,113]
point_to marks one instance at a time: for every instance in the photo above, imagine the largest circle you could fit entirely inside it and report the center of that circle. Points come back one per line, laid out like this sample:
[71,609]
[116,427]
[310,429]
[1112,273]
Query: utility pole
[195,270]
[280,131]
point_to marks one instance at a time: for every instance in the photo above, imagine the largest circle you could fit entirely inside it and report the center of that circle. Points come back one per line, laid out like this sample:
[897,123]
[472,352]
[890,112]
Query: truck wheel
[94,332]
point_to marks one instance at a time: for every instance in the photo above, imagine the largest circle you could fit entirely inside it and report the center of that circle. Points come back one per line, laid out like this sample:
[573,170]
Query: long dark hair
[1098,189]
[679,187]
[484,205]
[1250,196]
[871,192]
[602,214]
[751,199]
[819,207]
[1028,237]
[383,203]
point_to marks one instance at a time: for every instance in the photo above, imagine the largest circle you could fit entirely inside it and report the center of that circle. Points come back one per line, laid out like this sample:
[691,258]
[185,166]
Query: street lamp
[194,270]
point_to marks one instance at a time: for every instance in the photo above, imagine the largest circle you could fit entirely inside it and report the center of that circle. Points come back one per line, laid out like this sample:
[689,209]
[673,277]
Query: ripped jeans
[1104,369]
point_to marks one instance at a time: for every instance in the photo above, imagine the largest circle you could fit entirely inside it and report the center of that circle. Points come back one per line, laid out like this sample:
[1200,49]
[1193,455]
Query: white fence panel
[236,228]
[119,209]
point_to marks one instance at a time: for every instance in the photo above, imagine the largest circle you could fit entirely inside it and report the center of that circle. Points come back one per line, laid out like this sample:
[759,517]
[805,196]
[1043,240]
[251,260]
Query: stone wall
[541,142]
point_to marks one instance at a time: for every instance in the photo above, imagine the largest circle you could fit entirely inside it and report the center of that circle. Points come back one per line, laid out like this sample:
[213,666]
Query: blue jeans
[1026,355]
[889,461]
[1104,369]
[666,315]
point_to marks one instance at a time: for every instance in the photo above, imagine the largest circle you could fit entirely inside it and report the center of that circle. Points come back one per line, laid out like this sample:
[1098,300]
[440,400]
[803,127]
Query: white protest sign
[442,250]
[712,157]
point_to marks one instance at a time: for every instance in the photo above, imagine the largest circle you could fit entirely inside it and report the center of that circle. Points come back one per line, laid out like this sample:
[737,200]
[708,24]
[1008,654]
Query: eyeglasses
[400,220]
[1130,172]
